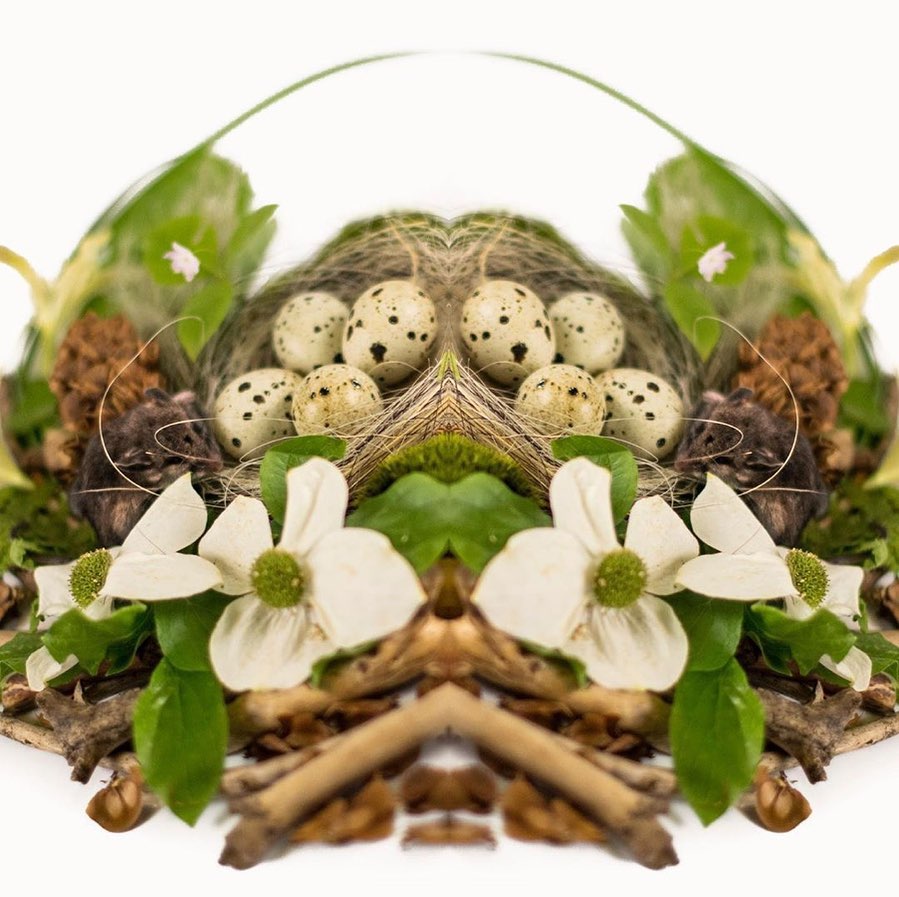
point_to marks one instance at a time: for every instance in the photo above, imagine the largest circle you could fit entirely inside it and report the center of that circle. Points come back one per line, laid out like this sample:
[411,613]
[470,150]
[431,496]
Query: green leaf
[183,629]
[863,407]
[113,639]
[615,457]
[713,628]
[203,314]
[884,655]
[327,665]
[180,736]
[424,518]
[16,651]
[288,454]
[706,231]
[34,408]
[694,314]
[246,248]
[568,664]
[805,642]
[717,730]
[648,243]
[192,233]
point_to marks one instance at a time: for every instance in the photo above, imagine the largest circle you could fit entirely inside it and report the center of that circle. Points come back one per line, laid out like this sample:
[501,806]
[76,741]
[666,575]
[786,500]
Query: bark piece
[368,816]
[809,732]
[529,816]
[88,732]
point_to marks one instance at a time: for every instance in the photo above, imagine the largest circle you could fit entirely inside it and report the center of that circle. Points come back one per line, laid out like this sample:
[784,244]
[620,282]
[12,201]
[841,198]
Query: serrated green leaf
[694,314]
[648,244]
[717,730]
[180,736]
[183,629]
[203,314]
[783,638]
[114,639]
[706,231]
[289,454]
[16,652]
[615,457]
[713,629]
[424,518]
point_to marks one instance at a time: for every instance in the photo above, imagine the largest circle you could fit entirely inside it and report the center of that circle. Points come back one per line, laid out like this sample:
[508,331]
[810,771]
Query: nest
[448,259]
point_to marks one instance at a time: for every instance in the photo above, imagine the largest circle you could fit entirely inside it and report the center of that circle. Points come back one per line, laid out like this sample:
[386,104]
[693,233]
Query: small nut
[779,806]
[117,807]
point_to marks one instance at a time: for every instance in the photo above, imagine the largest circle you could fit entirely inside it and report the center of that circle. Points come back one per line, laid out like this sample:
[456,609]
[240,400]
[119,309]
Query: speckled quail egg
[253,411]
[308,331]
[336,398]
[561,398]
[390,331]
[589,331]
[642,410]
[506,331]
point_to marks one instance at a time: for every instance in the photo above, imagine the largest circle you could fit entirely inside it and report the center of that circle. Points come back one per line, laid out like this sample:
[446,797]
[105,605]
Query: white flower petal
[42,667]
[739,577]
[316,504]
[53,596]
[796,608]
[175,520]
[640,646]
[256,646]
[234,542]
[855,668]
[721,519]
[159,577]
[536,587]
[581,500]
[843,590]
[362,588]
[663,542]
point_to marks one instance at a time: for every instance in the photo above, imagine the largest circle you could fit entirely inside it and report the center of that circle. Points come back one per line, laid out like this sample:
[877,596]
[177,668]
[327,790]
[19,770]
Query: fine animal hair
[758,454]
[140,453]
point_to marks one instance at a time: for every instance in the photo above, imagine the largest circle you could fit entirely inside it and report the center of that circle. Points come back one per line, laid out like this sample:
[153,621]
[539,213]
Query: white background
[95,94]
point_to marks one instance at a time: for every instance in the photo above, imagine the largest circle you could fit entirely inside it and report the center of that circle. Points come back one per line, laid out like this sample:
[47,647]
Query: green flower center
[620,579]
[809,576]
[88,576]
[278,579]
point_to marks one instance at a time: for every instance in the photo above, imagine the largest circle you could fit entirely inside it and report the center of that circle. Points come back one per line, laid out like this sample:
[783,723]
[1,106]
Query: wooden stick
[270,814]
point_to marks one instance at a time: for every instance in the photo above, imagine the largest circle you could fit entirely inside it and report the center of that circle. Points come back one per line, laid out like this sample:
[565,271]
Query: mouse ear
[155,394]
[763,458]
[741,394]
[186,397]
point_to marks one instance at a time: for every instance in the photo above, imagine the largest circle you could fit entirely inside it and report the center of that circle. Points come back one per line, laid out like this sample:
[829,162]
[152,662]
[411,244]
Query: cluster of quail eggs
[561,360]
[334,360]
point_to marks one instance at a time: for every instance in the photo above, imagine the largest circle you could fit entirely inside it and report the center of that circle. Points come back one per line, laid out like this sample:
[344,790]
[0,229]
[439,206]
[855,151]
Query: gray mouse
[746,445]
[152,445]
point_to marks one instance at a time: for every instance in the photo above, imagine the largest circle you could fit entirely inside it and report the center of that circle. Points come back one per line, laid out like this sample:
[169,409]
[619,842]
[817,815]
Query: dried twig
[88,732]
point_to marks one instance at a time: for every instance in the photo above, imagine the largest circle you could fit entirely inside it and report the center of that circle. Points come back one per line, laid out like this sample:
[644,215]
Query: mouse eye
[724,461]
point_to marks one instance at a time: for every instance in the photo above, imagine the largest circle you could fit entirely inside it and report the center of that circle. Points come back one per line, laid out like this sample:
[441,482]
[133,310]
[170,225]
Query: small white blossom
[750,567]
[146,567]
[574,589]
[183,261]
[322,588]
[714,261]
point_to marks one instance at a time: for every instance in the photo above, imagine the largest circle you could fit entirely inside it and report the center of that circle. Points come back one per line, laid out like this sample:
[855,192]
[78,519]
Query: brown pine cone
[804,353]
[94,351]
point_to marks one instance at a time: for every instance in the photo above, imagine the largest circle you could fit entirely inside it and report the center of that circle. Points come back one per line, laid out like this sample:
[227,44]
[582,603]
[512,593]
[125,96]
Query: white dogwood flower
[573,588]
[750,567]
[714,261]
[146,567]
[322,588]
[183,261]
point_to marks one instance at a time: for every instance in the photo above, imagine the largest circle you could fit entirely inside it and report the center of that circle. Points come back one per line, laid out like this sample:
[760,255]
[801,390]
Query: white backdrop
[95,94]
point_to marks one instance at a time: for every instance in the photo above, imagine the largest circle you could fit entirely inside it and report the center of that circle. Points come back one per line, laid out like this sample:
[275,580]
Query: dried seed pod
[529,816]
[366,817]
[117,807]
[778,805]
[471,788]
